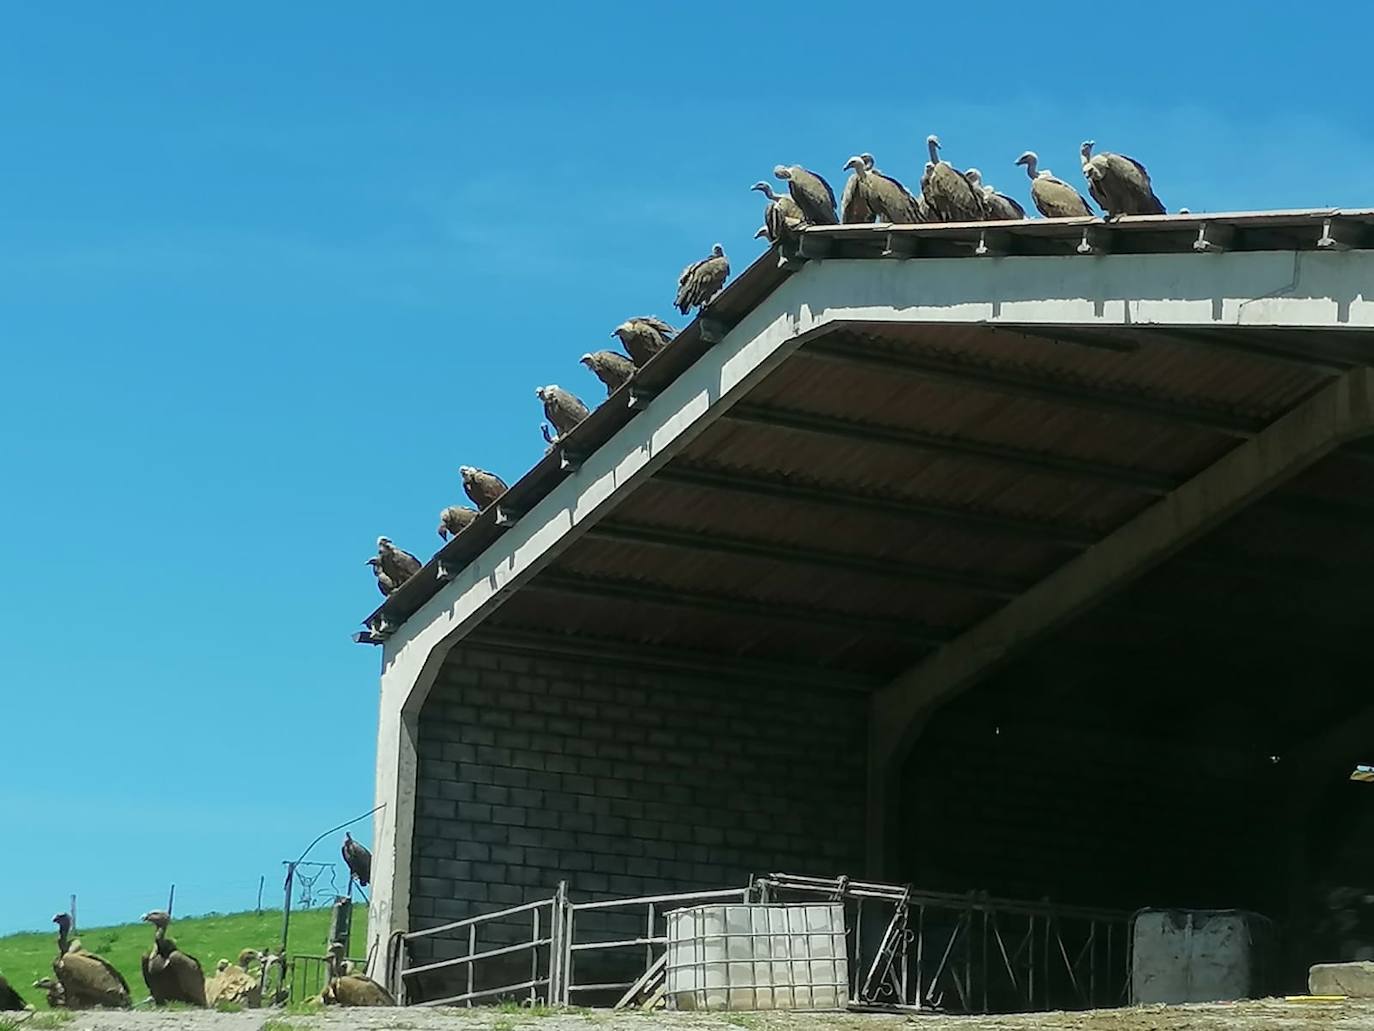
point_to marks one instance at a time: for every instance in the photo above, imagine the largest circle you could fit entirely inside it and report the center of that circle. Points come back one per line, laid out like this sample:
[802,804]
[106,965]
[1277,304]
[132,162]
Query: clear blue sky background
[270,273]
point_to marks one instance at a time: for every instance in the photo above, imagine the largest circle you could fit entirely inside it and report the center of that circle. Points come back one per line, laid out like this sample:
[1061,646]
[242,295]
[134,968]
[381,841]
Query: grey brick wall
[623,782]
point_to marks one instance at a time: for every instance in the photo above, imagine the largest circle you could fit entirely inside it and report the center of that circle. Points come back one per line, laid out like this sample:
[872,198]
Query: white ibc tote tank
[757,957]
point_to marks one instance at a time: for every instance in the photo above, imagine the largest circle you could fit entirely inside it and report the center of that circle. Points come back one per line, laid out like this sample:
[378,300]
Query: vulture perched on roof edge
[884,197]
[1052,197]
[87,979]
[1119,184]
[854,210]
[813,194]
[702,280]
[170,974]
[560,407]
[384,583]
[997,206]
[455,519]
[481,487]
[782,217]
[947,193]
[9,998]
[398,565]
[358,859]
[348,989]
[612,368]
[644,336]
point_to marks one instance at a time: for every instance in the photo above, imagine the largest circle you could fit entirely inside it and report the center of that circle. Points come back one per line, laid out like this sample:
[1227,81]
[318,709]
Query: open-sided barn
[1028,559]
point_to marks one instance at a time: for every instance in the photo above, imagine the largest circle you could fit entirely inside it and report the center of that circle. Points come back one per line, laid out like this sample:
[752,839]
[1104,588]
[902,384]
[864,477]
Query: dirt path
[1255,1016]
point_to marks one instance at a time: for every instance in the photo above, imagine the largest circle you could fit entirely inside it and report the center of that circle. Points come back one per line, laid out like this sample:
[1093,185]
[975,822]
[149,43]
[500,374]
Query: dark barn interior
[679,699]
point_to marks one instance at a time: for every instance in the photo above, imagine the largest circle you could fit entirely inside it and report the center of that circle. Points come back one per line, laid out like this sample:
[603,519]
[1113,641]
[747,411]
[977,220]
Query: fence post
[261,879]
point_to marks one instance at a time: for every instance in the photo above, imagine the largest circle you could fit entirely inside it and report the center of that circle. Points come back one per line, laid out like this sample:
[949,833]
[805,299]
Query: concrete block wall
[624,782]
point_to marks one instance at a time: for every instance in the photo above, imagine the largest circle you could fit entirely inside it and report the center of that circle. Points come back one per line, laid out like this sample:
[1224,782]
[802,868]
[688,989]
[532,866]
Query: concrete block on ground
[1355,980]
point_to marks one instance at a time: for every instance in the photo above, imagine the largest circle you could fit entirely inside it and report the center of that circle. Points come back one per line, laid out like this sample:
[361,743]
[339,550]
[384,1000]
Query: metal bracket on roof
[809,246]
[789,257]
[639,398]
[381,628]
[1340,235]
[507,517]
[992,243]
[1095,240]
[712,331]
[898,245]
[1214,239]
[446,571]
[570,461]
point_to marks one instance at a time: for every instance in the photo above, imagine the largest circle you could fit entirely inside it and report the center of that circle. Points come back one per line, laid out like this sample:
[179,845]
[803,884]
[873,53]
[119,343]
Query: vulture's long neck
[63,940]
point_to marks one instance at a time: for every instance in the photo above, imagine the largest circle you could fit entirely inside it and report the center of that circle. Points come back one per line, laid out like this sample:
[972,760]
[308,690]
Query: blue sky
[270,273]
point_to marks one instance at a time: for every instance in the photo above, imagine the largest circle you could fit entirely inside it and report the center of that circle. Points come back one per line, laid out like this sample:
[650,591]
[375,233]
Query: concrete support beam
[1339,412]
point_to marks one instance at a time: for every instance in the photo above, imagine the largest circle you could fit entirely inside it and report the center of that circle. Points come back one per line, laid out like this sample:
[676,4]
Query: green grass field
[24,958]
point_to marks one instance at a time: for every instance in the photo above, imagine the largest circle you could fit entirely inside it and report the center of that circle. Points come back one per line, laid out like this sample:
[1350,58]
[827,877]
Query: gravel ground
[1271,1015]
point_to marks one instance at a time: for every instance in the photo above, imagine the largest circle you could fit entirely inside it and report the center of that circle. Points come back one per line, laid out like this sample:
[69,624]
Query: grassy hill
[24,958]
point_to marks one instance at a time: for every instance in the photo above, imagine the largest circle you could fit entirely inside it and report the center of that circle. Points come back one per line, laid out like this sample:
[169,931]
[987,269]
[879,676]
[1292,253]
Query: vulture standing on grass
[1119,184]
[358,859]
[611,367]
[947,193]
[1052,197]
[398,565]
[702,280]
[52,988]
[560,407]
[998,207]
[482,487]
[384,583]
[812,194]
[455,519]
[234,984]
[782,217]
[9,998]
[87,980]
[348,989]
[885,198]
[170,974]
[644,336]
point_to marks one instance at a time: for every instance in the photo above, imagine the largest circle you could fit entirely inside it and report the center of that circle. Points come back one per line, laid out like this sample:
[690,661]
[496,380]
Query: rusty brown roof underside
[888,486]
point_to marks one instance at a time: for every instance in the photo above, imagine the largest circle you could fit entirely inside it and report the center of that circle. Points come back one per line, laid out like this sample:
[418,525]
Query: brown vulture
[234,984]
[9,998]
[455,519]
[399,565]
[52,988]
[482,488]
[1052,197]
[348,989]
[782,217]
[812,194]
[702,280]
[947,193]
[644,336]
[358,859]
[998,207]
[854,210]
[560,407]
[885,198]
[87,980]
[384,583]
[170,974]
[1119,184]
[611,367]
